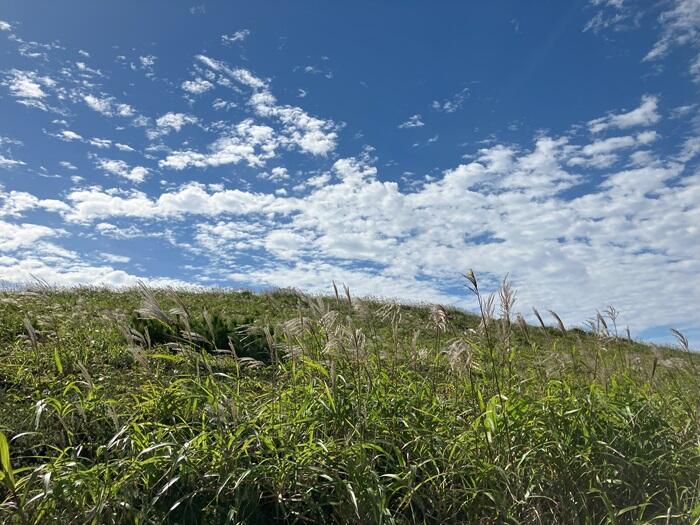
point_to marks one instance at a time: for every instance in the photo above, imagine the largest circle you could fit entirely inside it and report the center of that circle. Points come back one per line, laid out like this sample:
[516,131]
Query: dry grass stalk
[560,324]
[539,318]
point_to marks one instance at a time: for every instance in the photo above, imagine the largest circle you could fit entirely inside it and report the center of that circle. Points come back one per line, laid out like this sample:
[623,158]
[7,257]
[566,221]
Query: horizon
[387,146]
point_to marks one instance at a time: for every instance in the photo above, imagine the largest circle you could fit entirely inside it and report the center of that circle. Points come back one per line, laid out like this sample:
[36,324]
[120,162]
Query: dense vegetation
[231,407]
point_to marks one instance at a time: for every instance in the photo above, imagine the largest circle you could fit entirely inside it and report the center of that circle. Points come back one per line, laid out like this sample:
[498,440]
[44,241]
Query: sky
[388,145]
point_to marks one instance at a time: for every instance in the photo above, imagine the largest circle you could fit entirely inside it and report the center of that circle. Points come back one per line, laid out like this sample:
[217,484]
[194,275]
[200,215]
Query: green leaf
[57,360]
[5,464]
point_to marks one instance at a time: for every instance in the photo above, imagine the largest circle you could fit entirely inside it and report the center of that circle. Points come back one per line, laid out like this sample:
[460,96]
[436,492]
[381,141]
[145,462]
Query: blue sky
[387,145]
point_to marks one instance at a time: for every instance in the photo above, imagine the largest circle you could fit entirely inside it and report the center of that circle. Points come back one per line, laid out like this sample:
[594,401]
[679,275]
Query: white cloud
[113,258]
[122,169]
[605,152]
[285,243]
[100,143]
[508,208]
[246,141]
[681,26]
[103,106]
[502,212]
[174,121]
[239,74]
[238,36]
[645,115]
[5,26]
[69,135]
[453,103]
[313,70]
[123,147]
[413,122]
[197,86]
[91,204]
[15,203]
[679,22]
[55,265]
[9,163]
[27,84]
[10,141]
[277,174]
[108,106]
[147,61]
[15,236]
[695,69]
[230,235]
[310,134]
[67,165]
[226,105]
[612,13]
[124,232]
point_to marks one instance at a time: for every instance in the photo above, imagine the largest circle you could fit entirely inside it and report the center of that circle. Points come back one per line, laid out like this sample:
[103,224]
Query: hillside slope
[233,407]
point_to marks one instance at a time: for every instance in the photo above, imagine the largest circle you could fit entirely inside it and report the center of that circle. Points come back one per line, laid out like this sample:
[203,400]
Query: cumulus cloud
[308,133]
[245,141]
[605,152]
[67,165]
[15,236]
[49,262]
[413,122]
[238,36]
[508,209]
[15,203]
[193,198]
[645,115]
[256,143]
[69,136]
[276,174]
[28,87]
[174,121]
[5,26]
[147,61]
[108,106]
[452,104]
[197,86]
[570,236]
[100,143]
[120,168]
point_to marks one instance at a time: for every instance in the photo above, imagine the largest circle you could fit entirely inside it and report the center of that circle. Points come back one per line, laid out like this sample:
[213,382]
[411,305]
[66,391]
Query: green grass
[333,410]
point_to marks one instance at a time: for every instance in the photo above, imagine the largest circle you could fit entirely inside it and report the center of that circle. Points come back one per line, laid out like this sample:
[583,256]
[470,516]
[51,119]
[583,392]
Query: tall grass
[154,406]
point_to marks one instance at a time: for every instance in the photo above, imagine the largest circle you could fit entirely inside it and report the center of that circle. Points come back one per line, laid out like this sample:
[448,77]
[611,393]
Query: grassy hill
[232,407]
